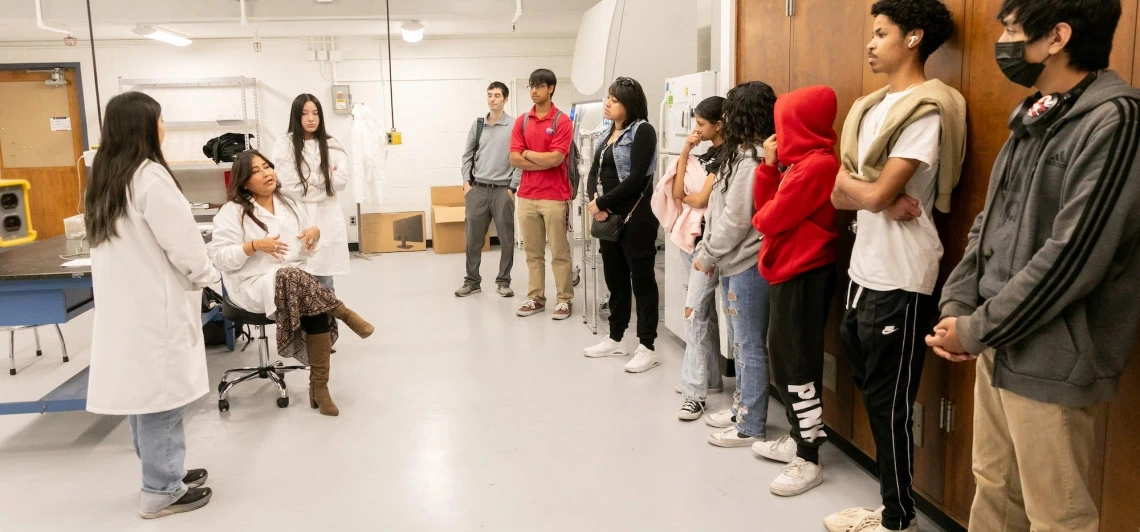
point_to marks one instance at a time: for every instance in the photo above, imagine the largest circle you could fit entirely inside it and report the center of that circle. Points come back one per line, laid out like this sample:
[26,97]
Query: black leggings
[319,324]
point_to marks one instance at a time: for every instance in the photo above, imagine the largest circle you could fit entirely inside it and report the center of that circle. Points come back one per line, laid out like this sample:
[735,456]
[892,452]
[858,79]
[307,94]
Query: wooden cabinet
[790,44]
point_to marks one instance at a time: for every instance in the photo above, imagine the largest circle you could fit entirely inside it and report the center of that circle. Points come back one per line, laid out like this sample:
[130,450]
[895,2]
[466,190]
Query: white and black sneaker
[194,499]
[691,410]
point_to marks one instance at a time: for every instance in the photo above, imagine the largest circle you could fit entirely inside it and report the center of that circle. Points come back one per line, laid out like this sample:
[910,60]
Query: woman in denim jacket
[623,167]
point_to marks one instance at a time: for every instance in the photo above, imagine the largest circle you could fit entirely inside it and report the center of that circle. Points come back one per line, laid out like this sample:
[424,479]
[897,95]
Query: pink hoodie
[682,222]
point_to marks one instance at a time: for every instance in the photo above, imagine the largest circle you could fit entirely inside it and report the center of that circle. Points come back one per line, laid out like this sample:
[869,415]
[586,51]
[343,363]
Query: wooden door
[41,139]
[763,43]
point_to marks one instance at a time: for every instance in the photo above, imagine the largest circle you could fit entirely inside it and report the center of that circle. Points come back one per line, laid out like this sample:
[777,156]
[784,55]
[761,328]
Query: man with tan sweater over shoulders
[902,151]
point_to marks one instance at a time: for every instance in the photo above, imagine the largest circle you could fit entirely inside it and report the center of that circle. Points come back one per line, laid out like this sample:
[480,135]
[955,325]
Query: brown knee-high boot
[358,325]
[319,347]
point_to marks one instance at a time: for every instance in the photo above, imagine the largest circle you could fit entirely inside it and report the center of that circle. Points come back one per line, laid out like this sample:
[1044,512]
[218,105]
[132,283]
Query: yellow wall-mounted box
[395,138]
[15,214]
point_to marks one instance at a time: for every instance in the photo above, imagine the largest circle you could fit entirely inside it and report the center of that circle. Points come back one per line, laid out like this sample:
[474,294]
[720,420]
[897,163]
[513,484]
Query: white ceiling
[215,19]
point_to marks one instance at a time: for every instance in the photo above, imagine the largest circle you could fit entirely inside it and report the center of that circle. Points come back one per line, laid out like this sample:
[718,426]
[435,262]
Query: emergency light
[15,214]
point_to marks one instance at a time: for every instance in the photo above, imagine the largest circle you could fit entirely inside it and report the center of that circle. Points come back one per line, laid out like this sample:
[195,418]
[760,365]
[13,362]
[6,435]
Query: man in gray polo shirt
[489,185]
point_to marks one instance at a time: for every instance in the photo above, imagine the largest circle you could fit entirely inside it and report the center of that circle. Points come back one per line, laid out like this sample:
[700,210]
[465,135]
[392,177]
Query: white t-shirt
[890,255]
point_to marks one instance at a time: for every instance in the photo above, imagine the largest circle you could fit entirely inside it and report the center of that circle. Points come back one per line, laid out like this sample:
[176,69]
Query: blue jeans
[746,308]
[327,281]
[700,369]
[160,443]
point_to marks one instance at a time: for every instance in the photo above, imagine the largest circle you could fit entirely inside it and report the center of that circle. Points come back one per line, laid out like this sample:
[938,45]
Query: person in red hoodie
[797,256]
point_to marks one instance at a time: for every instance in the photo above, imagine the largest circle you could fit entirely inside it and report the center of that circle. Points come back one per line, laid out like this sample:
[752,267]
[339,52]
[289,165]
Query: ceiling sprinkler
[70,41]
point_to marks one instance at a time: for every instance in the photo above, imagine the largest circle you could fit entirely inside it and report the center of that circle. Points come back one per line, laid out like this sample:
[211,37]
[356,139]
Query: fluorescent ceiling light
[160,34]
[413,31]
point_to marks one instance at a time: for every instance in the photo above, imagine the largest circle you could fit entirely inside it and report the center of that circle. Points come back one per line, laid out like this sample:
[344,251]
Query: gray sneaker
[467,290]
[505,291]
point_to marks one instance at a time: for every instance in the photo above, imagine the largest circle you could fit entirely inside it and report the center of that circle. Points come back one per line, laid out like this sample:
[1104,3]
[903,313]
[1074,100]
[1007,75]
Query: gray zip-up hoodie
[730,242]
[1064,324]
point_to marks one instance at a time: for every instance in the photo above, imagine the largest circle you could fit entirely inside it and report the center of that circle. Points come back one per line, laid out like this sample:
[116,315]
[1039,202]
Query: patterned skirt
[297,294]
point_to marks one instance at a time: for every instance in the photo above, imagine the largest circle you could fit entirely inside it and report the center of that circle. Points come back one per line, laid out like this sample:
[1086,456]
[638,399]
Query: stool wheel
[39,353]
[223,405]
[282,402]
[11,372]
[65,359]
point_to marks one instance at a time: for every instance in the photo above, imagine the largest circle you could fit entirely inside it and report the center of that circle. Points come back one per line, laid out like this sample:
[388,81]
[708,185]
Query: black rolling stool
[264,370]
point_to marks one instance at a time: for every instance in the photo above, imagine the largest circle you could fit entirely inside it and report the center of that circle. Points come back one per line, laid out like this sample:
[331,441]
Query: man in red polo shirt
[539,145]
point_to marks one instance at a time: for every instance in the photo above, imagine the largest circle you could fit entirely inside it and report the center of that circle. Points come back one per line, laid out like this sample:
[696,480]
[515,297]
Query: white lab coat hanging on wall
[369,156]
[147,350]
[324,211]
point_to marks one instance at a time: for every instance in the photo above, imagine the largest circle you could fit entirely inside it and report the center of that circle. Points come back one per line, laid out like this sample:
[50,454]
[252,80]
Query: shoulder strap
[482,122]
[554,128]
[526,118]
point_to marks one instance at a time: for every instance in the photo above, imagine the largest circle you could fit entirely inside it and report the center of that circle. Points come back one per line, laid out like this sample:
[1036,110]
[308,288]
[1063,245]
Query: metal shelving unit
[246,123]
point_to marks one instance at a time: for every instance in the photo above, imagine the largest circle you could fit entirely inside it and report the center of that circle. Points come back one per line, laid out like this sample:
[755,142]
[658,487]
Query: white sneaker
[644,359]
[606,348]
[854,520]
[730,438]
[796,478]
[781,450]
[680,389]
[720,420]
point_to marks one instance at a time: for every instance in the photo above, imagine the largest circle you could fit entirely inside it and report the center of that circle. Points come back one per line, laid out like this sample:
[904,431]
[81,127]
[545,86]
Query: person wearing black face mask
[1044,297]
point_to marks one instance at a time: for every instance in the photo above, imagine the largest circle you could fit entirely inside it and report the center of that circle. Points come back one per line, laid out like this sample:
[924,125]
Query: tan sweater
[933,96]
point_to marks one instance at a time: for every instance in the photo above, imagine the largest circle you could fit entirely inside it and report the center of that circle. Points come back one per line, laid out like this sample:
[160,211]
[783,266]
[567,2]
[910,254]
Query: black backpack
[225,148]
[571,159]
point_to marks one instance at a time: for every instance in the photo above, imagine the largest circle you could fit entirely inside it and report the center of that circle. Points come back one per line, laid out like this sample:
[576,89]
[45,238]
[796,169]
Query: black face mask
[1011,59]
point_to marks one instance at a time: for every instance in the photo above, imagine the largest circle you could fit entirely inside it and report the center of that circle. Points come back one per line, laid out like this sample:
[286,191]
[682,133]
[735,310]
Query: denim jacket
[622,149]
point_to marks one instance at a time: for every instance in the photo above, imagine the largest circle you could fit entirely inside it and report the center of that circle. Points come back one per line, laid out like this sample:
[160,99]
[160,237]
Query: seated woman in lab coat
[261,244]
[148,266]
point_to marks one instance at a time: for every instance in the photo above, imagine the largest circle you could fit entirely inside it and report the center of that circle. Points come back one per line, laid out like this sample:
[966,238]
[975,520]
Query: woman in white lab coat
[262,243]
[149,266]
[313,168]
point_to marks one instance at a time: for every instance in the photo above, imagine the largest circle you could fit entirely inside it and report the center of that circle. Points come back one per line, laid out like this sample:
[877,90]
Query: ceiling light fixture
[413,31]
[159,34]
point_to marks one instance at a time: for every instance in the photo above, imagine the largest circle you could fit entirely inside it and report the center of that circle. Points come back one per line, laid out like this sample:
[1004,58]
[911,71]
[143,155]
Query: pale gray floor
[455,416]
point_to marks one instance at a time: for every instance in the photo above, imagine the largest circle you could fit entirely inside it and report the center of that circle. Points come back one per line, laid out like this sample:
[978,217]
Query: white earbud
[913,39]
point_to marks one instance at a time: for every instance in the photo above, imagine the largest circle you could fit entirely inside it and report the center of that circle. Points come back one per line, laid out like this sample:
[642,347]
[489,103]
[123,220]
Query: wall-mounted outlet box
[352,221]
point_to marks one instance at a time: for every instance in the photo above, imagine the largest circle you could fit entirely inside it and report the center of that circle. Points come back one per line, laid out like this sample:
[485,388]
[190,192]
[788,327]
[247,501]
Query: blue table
[35,290]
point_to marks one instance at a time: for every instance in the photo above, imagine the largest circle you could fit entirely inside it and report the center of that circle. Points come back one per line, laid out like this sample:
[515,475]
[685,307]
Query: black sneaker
[195,478]
[194,499]
[691,410]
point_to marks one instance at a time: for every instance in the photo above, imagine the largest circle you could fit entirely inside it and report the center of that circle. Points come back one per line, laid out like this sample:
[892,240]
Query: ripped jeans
[700,369]
[746,308]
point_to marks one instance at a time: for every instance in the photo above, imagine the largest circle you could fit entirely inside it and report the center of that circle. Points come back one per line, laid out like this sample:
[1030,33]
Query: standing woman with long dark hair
[313,167]
[730,249]
[149,265]
[624,167]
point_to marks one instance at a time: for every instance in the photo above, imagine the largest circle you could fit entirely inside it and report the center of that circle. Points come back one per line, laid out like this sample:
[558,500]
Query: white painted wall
[439,90]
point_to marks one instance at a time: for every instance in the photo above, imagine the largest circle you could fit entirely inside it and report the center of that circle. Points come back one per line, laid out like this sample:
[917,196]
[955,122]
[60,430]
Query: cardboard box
[448,221]
[393,232]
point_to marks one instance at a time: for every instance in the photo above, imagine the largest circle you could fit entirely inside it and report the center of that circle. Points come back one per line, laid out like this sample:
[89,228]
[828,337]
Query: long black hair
[129,139]
[240,174]
[297,130]
[628,92]
[749,119]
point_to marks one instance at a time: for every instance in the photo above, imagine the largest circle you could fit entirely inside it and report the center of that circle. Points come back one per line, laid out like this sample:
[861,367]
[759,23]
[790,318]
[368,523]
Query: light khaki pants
[1031,462]
[539,221]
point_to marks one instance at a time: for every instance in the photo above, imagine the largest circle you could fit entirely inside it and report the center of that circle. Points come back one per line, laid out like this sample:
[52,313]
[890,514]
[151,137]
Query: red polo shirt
[541,136]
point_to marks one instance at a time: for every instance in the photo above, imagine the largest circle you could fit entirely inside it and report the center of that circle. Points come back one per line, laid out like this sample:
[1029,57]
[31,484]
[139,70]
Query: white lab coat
[251,280]
[147,350]
[369,156]
[331,256]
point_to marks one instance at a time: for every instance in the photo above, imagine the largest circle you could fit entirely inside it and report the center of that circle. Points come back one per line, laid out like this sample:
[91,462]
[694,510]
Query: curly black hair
[749,119]
[930,16]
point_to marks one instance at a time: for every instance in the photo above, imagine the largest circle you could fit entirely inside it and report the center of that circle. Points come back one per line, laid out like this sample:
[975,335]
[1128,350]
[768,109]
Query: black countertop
[39,261]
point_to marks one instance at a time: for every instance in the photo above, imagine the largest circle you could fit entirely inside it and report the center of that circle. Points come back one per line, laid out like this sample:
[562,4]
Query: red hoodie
[794,211]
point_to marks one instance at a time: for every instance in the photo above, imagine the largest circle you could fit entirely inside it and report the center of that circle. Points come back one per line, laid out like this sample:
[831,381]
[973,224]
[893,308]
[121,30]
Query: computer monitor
[410,229]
